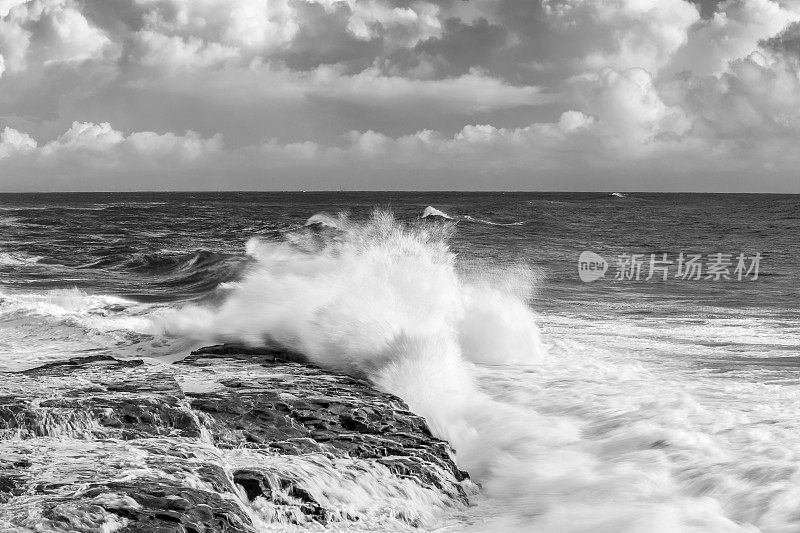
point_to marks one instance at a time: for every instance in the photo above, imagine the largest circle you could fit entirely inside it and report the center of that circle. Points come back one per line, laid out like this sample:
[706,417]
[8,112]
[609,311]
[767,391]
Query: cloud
[250,29]
[458,92]
[97,156]
[734,32]
[87,147]
[14,43]
[757,100]
[629,107]
[7,5]
[35,34]
[401,25]
[623,34]
[13,142]
[469,93]
[249,25]
[174,54]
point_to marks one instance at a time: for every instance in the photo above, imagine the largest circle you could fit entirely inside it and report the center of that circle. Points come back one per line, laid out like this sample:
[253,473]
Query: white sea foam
[40,327]
[18,259]
[59,302]
[354,302]
[575,439]
[384,300]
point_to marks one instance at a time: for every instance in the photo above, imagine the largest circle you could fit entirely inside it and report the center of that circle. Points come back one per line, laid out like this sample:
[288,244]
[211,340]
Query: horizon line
[414,191]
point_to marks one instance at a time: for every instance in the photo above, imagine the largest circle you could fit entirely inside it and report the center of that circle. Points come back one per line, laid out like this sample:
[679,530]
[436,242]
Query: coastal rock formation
[230,439]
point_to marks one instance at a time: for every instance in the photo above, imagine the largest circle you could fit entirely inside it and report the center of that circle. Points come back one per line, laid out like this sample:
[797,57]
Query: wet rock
[230,439]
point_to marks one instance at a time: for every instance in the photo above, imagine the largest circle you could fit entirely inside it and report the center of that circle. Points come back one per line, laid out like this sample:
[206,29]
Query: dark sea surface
[671,402]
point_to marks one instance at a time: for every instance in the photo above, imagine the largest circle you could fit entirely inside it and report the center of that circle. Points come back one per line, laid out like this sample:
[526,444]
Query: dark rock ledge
[228,440]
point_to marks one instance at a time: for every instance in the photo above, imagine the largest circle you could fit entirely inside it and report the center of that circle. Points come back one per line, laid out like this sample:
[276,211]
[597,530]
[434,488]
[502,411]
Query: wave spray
[551,437]
[383,300]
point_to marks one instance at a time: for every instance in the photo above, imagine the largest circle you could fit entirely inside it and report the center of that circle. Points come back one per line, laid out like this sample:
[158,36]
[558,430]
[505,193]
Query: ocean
[663,396]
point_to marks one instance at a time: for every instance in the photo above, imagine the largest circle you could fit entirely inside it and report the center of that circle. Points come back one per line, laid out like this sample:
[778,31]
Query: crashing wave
[383,300]
[378,280]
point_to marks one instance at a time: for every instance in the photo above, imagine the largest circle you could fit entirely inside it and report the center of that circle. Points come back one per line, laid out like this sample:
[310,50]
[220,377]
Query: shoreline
[227,439]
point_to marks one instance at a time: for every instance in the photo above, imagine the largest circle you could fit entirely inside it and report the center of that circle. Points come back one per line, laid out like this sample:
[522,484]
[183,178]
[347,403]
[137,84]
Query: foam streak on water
[55,324]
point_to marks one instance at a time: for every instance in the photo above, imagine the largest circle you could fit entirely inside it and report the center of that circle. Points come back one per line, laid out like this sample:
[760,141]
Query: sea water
[625,404]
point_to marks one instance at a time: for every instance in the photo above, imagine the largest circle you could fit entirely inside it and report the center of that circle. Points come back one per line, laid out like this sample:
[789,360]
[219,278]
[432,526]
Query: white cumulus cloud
[540,93]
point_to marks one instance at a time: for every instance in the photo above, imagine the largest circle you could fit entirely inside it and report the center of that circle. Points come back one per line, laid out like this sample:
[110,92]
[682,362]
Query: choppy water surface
[617,406]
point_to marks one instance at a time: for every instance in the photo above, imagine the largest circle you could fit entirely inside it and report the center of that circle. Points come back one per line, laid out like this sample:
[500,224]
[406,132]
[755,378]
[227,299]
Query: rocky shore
[229,439]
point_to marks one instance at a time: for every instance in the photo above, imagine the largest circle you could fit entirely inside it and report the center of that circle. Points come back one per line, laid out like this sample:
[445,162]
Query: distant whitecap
[431,211]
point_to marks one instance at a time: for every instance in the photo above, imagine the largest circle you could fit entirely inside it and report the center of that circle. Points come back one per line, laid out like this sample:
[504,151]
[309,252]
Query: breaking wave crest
[353,300]
[324,220]
[383,300]
[433,213]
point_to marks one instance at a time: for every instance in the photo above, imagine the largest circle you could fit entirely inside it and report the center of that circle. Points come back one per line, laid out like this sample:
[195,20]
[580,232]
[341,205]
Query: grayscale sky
[397,94]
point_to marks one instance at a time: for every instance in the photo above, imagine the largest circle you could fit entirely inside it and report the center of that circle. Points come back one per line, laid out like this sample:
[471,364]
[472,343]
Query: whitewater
[570,421]
[561,440]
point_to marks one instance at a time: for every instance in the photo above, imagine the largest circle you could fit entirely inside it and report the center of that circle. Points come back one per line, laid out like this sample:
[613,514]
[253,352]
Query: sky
[627,95]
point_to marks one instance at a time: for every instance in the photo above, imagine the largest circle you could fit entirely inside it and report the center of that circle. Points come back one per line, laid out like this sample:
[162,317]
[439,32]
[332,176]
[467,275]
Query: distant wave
[164,262]
[129,205]
[14,208]
[577,198]
[324,219]
[97,206]
[175,275]
[160,263]
[492,223]
[432,212]
[101,206]
[18,259]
